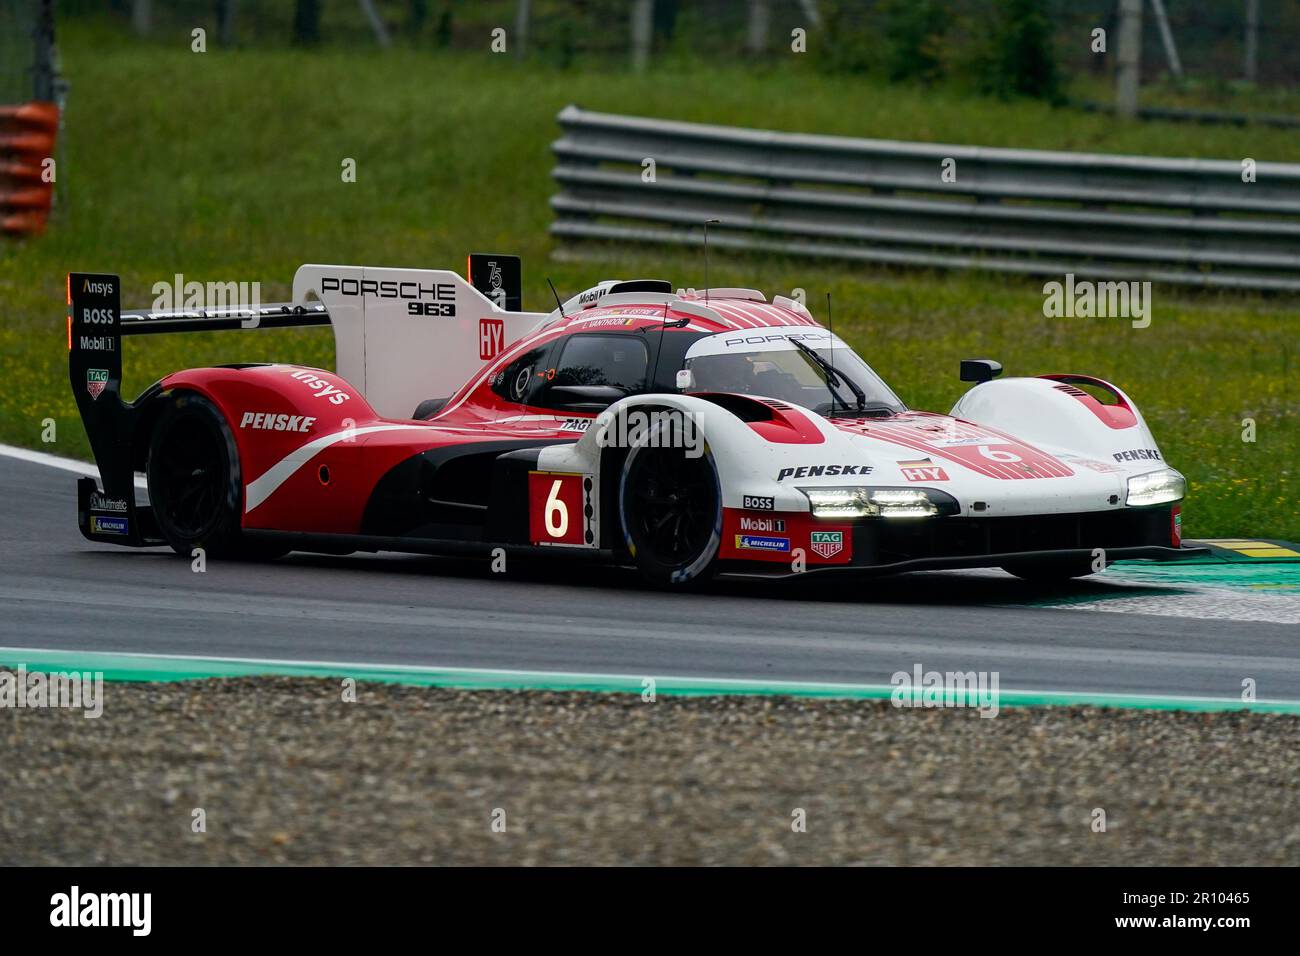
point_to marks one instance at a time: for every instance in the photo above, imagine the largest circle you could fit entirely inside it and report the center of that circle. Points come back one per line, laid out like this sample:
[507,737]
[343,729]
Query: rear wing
[96,326]
[400,335]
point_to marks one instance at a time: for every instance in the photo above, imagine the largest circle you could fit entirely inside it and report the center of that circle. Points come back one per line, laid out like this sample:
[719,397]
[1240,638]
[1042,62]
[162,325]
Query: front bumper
[887,546]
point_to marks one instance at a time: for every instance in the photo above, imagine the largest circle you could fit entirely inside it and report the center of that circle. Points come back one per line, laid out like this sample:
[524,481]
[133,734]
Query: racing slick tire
[1051,570]
[194,481]
[671,510]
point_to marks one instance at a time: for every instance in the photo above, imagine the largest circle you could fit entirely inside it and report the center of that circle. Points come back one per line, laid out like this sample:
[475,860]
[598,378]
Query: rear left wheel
[194,481]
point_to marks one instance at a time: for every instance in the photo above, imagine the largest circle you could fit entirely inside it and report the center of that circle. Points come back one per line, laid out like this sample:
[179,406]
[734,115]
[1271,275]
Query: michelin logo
[754,542]
[102,525]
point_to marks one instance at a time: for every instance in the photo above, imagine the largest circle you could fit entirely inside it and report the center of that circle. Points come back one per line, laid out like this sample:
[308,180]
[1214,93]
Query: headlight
[870,502]
[903,503]
[1156,488]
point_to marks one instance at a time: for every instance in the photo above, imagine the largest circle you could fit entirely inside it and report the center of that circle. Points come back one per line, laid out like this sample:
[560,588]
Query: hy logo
[827,544]
[96,381]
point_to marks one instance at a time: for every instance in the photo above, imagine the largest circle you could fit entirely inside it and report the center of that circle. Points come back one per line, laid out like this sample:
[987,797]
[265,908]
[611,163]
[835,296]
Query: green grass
[226,166]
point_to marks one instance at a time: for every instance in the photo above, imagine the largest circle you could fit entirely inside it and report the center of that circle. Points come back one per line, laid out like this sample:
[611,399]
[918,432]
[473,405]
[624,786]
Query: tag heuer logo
[96,381]
[827,544]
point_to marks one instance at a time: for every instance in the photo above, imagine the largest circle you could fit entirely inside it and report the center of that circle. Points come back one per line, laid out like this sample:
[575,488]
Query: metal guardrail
[1189,221]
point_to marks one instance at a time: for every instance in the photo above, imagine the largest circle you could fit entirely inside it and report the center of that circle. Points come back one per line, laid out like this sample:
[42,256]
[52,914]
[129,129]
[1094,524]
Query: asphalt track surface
[60,591]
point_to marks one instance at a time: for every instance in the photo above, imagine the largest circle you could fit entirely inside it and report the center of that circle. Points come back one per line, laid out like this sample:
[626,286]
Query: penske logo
[818,471]
[273,422]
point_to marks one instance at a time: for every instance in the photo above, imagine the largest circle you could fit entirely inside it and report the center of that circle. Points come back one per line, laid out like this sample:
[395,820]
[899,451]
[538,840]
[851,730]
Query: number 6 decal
[555,505]
[562,509]
[997,455]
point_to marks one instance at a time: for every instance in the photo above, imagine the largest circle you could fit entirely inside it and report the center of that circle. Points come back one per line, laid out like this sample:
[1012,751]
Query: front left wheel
[672,513]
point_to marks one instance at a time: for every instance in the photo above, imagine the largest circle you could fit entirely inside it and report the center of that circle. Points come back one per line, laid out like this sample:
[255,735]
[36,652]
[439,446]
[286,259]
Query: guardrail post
[1130,57]
[1252,40]
[760,19]
[642,22]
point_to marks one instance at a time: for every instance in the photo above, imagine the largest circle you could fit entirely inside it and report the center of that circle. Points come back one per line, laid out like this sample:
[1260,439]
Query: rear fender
[274,409]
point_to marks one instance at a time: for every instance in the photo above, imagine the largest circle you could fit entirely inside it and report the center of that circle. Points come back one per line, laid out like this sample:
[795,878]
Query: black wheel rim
[673,505]
[191,477]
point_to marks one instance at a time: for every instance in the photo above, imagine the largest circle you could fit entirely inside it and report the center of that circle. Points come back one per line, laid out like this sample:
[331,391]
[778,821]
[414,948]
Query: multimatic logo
[437,298]
[96,381]
[99,502]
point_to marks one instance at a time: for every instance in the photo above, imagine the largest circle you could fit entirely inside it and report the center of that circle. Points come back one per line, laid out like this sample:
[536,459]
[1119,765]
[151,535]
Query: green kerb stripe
[146,667]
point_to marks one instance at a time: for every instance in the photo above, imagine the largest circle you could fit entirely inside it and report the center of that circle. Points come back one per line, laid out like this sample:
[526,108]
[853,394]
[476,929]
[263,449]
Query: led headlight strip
[1156,488]
[860,502]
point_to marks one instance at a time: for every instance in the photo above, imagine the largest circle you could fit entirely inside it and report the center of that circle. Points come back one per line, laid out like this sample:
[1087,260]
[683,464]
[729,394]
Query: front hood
[950,442]
[988,471]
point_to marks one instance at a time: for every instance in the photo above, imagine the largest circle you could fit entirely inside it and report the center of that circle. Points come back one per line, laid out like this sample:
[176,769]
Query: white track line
[55,461]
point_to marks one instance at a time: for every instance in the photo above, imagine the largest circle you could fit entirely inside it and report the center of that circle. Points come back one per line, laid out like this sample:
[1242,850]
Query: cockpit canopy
[824,375]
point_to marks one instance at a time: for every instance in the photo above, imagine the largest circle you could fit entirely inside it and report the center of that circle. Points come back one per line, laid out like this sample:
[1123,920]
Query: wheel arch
[1053,411]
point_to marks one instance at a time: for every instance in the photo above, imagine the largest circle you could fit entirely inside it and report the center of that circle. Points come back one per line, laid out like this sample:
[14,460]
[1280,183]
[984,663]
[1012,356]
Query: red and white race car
[684,432]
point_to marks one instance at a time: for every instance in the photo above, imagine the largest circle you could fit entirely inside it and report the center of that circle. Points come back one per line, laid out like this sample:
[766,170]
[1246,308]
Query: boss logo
[97,316]
[757,503]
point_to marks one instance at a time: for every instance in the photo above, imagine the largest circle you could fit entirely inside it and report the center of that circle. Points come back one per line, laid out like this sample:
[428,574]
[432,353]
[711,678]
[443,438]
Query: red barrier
[27,134]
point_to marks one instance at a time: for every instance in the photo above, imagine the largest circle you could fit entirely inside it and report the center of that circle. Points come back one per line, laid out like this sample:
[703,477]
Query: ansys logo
[96,381]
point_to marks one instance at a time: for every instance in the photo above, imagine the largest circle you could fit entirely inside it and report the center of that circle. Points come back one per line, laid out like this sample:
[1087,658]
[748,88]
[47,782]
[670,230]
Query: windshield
[766,362]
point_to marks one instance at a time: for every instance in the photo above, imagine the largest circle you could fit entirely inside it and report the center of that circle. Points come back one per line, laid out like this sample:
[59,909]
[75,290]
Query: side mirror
[980,370]
[685,380]
[585,398]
